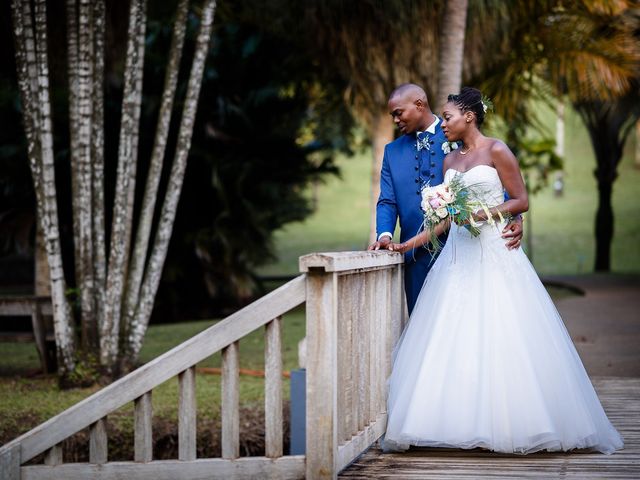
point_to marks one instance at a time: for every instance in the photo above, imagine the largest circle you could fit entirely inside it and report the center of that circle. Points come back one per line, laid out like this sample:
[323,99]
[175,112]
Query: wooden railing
[355,311]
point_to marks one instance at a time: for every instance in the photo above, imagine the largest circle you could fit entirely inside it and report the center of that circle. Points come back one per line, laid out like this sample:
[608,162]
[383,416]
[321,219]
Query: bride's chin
[451,138]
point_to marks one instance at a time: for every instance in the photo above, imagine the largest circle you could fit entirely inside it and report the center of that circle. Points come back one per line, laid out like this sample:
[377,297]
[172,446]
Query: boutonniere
[447,147]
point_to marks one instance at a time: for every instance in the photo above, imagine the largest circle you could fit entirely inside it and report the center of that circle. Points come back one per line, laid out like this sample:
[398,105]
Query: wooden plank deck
[621,400]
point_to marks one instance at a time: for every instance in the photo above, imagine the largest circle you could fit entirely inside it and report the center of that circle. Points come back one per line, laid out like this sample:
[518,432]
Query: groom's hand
[381,244]
[513,232]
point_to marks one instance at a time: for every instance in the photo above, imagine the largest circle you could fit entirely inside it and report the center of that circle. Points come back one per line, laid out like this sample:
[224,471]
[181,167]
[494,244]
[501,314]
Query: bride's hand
[398,247]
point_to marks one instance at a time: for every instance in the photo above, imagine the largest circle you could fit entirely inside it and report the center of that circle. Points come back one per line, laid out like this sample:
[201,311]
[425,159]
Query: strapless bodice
[485,183]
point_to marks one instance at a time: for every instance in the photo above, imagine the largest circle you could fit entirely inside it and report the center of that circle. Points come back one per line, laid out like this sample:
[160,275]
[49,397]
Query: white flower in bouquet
[447,147]
[442,212]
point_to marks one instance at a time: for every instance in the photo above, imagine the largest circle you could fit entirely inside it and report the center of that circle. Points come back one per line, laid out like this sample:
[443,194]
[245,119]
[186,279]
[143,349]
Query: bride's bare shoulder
[497,146]
[501,154]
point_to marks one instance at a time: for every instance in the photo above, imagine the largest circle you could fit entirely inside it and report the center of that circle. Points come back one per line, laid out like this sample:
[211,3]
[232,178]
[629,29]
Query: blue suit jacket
[404,171]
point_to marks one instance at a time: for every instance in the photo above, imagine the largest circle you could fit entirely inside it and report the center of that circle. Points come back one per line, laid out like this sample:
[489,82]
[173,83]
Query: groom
[409,163]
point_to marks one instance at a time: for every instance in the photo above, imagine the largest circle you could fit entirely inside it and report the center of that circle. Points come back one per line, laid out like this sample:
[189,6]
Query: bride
[485,360]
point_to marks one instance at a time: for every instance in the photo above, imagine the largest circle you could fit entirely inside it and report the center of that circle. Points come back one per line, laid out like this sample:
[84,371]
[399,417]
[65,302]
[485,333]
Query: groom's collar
[432,128]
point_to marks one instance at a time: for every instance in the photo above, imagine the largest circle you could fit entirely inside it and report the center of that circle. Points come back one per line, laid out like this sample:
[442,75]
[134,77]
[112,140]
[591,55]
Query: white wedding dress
[485,360]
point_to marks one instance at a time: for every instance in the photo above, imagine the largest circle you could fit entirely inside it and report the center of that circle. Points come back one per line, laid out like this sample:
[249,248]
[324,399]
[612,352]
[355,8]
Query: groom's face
[407,113]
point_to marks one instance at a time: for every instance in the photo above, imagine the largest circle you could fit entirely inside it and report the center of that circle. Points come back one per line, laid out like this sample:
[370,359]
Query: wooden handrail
[349,261]
[355,312]
[157,371]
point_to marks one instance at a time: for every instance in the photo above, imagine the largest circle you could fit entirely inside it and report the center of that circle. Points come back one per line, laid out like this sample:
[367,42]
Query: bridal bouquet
[456,201]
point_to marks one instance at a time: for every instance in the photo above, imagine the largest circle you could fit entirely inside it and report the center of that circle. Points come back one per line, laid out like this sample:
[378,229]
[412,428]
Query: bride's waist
[483,231]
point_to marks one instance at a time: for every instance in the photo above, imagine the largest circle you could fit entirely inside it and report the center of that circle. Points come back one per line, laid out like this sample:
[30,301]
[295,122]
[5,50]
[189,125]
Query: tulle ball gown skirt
[486,361]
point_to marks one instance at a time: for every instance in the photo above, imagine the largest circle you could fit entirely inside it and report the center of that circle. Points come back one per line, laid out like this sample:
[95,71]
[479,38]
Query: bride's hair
[469,100]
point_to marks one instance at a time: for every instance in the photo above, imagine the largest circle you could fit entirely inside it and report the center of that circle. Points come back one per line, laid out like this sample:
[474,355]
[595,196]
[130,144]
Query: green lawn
[30,400]
[563,241]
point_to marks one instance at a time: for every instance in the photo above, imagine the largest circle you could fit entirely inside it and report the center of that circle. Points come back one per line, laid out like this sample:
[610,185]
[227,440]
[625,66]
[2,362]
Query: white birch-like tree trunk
[141,29]
[138,259]
[33,79]
[170,204]
[121,226]
[451,50]
[97,156]
[84,202]
[382,133]
[72,72]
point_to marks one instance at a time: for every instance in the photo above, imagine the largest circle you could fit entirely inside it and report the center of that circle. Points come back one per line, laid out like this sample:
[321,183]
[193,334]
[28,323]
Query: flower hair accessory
[487,104]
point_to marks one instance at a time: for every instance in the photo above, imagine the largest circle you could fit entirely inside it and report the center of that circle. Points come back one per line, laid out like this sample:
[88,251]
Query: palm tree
[544,50]
[609,124]
[453,28]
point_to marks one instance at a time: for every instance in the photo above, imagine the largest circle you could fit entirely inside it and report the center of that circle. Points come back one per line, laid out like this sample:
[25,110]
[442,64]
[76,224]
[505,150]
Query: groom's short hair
[407,88]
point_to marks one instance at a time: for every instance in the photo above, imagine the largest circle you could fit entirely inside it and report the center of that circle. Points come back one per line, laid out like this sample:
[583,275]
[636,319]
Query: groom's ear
[419,103]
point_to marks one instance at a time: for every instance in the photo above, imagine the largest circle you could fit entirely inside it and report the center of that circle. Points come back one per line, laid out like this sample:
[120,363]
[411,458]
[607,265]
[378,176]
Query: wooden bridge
[355,311]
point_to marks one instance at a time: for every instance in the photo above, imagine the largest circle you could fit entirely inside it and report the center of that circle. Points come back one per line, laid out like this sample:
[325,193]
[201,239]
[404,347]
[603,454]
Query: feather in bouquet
[456,201]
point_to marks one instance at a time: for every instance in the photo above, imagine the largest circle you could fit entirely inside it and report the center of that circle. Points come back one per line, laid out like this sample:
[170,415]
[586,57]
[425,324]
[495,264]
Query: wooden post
[10,463]
[230,402]
[53,456]
[98,452]
[37,324]
[143,432]
[322,374]
[273,389]
[187,415]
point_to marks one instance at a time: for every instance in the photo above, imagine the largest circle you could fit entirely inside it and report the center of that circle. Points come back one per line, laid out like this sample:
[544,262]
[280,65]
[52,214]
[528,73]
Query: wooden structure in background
[37,308]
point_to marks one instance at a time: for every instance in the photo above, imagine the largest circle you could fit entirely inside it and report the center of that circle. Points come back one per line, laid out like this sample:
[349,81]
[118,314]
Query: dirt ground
[605,322]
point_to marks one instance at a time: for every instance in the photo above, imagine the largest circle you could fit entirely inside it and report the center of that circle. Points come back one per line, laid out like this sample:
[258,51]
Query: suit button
[416,155]
[416,167]
[433,164]
[431,142]
[418,192]
[417,180]
[432,152]
[433,175]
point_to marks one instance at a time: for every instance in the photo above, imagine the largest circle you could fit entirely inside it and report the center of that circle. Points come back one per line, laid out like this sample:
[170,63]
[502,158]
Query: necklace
[462,152]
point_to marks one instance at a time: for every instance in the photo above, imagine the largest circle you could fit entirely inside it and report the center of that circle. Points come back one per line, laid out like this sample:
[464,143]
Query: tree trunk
[170,204]
[97,155]
[558,184]
[121,226]
[139,256]
[637,159]
[84,165]
[451,51]
[608,124]
[604,227]
[382,134]
[33,79]
[41,274]
[74,122]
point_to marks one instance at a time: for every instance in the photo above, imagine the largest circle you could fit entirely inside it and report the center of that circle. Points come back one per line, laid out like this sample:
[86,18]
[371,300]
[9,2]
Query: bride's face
[454,122]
